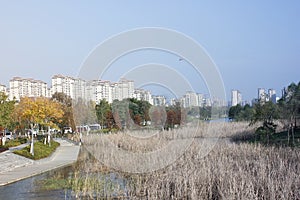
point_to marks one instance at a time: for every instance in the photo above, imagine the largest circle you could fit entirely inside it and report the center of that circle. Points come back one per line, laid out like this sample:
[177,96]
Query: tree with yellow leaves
[36,112]
[40,111]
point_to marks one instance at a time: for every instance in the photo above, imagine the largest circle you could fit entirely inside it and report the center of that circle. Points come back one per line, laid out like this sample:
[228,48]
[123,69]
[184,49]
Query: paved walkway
[14,167]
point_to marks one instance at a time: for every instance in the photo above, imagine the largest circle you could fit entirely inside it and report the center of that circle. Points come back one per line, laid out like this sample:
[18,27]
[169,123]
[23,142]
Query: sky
[254,44]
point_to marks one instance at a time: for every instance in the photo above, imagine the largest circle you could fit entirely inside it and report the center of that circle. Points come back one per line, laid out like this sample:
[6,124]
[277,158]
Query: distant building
[21,87]
[261,95]
[192,99]
[79,88]
[217,102]
[64,84]
[207,102]
[3,89]
[143,95]
[97,90]
[174,101]
[272,95]
[159,100]
[236,98]
[126,89]
[200,98]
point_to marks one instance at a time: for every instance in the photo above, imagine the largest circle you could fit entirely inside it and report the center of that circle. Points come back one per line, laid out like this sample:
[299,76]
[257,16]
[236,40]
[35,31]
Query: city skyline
[96,90]
[254,44]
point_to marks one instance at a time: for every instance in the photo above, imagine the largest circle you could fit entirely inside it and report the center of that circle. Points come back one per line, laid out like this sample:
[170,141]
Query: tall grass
[227,171]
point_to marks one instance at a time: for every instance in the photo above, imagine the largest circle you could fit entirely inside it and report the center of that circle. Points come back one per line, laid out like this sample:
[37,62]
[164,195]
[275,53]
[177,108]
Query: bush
[40,150]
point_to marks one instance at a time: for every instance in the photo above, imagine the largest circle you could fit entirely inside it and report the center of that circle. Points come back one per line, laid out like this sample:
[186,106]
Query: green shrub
[40,150]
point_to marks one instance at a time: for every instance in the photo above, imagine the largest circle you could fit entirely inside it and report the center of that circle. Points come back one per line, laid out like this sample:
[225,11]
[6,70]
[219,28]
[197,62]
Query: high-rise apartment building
[64,84]
[200,100]
[97,90]
[159,100]
[126,89]
[192,99]
[21,87]
[143,95]
[261,95]
[79,89]
[272,95]
[236,97]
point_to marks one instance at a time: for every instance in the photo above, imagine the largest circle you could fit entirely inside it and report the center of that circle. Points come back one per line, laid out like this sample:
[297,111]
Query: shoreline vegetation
[230,170]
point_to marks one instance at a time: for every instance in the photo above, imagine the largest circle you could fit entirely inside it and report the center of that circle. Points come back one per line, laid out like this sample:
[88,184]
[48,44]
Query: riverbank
[14,168]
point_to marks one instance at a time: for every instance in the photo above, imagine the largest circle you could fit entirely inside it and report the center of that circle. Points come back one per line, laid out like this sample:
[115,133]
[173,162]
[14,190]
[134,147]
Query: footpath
[14,167]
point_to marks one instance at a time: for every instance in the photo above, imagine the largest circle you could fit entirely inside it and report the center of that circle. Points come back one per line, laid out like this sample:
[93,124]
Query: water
[53,185]
[31,189]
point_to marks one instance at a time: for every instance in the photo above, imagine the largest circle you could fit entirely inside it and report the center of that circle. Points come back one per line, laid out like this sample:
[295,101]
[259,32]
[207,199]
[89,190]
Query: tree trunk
[288,138]
[293,135]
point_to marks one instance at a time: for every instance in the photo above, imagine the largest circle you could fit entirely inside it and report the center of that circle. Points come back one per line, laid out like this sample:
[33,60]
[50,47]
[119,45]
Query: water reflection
[62,183]
[29,189]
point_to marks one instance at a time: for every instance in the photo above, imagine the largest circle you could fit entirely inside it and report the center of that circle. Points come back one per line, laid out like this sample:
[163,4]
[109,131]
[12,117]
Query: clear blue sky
[254,43]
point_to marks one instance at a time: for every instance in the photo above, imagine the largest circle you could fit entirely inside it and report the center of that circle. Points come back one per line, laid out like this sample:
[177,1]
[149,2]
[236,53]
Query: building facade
[64,84]
[21,87]
[236,97]
[272,95]
[159,100]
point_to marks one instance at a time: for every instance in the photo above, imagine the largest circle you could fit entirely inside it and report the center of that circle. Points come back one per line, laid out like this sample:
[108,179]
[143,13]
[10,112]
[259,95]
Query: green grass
[14,143]
[54,184]
[40,150]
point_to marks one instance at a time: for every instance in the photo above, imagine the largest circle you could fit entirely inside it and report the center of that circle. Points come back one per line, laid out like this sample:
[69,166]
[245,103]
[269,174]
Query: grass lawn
[12,143]
[40,150]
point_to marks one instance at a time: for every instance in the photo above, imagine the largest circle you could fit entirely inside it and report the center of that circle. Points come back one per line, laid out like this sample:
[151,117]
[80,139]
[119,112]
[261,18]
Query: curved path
[14,167]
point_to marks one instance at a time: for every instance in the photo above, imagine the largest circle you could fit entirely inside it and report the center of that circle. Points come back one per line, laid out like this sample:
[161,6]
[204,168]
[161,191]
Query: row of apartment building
[262,96]
[76,88]
[266,95]
[96,90]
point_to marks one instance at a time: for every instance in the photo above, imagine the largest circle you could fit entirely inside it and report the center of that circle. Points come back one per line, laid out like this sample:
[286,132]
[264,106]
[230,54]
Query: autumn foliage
[35,112]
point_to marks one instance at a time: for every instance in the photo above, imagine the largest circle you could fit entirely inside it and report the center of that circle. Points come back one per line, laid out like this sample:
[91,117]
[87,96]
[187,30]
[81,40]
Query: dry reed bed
[228,171]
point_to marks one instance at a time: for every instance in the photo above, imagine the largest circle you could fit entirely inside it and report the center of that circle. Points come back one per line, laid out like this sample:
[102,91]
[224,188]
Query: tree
[247,113]
[175,114]
[84,112]
[290,103]
[265,112]
[234,111]
[158,116]
[240,113]
[38,112]
[205,112]
[289,106]
[171,118]
[102,112]
[68,117]
[6,111]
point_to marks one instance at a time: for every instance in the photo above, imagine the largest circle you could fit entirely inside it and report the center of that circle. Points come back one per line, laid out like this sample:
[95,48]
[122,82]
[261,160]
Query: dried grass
[228,171]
